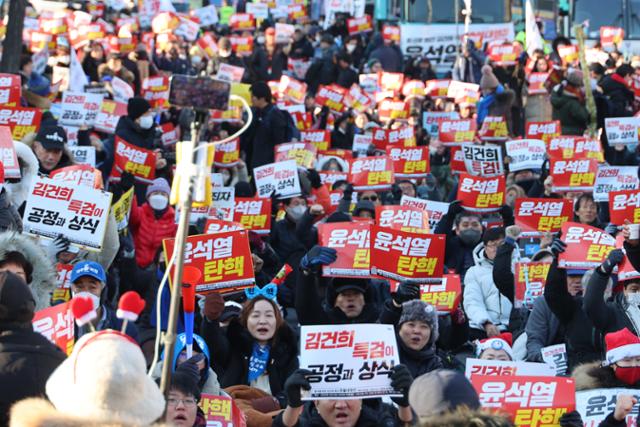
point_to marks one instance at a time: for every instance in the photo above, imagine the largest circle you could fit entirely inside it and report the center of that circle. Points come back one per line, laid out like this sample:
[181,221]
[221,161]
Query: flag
[77,78]
[534,39]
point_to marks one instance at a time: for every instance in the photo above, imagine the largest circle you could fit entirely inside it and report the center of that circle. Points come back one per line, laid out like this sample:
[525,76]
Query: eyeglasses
[370,198]
[186,402]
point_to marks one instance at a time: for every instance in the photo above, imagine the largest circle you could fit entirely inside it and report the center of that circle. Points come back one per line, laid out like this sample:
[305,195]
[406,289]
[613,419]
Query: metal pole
[590,101]
[181,237]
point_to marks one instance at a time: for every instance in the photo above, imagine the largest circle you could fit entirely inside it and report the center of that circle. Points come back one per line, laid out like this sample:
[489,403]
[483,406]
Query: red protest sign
[538,216]
[412,162]
[227,154]
[253,213]
[568,147]
[156,90]
[360,25]
[351,241]
[208,45]
[79,174]
[401,137]
[8,156]
[242,22]
[573,175]
[587,247]
[320,138]
[371,173]
[413,88]
[140,162]
[400,255]
[242,46]
[62,292]
[494,128]
[503,54]
[10,90]
[164,22]
[21,121]
[56,324]
[530,279]
[303,153]
[455,132]
[215,225]
[611,36]
[437,88]
[445,296]
[403,218]
[170,134]
[391,32]
[537,82]
[463,93]
[224,259]
[331,96]
[530,400]
[390,81]
[292,90]
[221,411]
[481,194]
[109,114]
[624,205]
[568,54]
[388,109]
[543,130]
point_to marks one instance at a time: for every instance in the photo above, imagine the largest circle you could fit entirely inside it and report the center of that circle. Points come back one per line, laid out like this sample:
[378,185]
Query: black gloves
[127,181]
[401,380]
[292,387]
[615,257]
[558,246]
[571,419]
[406,292]
[455,208]
[507,215]
[348,192]
[314,178]
[318,255]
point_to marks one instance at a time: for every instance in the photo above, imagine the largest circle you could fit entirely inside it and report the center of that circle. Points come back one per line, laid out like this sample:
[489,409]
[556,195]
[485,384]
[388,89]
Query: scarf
[633,313]
[258,361]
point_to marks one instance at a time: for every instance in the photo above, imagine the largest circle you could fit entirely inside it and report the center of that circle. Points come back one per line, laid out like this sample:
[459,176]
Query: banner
[303,153]
[10,90]
[494,128]
[587,247]
[8,156]
[568,147]
[348,361]
[455,132]
[77,212]
[21,121]
[351,241]
[57,325]
[140,162]
[435,210]
[622,130]
[445,296]
[253,213]
[525,154]
[556,356]
[538,216]
[79,174]
[122,208]
[483,160]
[331,96]
[543,130]
[503,368]
[411,257]
[624,205]
[224,259]
[221,410]
[481,194]
[611,36]
[409,162]
[531,401]
[595,405]
[573,175]
[371,173]
[80,109]
[403,218]
[530,280]
[107,117]
[614,178]
[280,178]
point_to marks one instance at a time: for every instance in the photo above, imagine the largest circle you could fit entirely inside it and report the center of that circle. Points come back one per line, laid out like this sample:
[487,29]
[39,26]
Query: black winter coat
[368,418]
[27,359]
[128,130]
[9,217]
[232,350]
[267,129]
[619,95]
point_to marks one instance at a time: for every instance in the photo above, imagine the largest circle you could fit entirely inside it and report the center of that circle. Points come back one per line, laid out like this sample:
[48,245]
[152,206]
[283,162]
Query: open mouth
[351,307]
[180,417]
[263,330]
[341,416]
[415,340]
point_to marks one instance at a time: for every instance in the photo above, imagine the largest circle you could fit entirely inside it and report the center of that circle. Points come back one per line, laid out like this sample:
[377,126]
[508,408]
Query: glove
[59,244]
[314,178]
[506,213]
[396,192]
[265,404]
[615,257]
[318,255]
[190,367]
[406,292]
[292,387]
[256,242]
[401,380]
[611,229]
[213,306]
[558,246]
[126,181]
[348,192]
[455,208]
[571,419]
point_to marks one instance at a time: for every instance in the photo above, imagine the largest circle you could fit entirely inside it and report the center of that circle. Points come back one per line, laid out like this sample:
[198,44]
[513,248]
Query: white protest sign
[84,155]
[614,178]
[8,155]
[505,367]
[348,361]
[622,130]
[208,15]
[483,160]
[430,120]
[122,91]
[595,405]
[525,154]
[80,109]
[556,356]
[281,178]
[78,212]
[436,210]
[40,59]
[223,202]
[361,144]
[258,10]
[230,73]
[188,29]
[284,32]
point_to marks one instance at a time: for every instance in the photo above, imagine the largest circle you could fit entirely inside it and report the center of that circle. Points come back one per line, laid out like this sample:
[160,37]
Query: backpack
[291,132]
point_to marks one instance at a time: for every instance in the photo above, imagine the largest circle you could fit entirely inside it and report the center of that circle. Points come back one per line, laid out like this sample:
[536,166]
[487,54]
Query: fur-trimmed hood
[40,413]
[28,161]
[589,376]
[43,279]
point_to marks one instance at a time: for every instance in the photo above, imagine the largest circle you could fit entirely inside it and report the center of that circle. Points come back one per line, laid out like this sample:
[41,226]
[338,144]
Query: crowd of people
[246,344]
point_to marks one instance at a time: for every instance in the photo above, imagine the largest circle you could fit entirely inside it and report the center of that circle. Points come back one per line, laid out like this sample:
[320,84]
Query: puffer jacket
[571,112]
[149,231]
[483,302]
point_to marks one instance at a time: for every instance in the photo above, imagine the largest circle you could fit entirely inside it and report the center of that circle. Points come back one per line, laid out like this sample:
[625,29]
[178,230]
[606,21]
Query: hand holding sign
[297,380]
[318,255]
[624,406]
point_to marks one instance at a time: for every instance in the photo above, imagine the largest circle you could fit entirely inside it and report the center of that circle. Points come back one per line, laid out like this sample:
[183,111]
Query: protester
[568,104]
[495,348]
[49,148]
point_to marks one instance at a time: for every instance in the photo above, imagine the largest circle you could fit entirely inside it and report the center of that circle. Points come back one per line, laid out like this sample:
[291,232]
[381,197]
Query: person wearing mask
[495,348]
[301,47]
[50,149]
[27,358]
[138,126]
[268,63]
[616,87]
[88,280]
[353,46]
[568,101]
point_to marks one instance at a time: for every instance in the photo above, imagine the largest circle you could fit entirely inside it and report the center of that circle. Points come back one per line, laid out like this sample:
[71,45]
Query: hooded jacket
[620,96]
[483,302]
[128,130]
[368,418]
[542,330]
[18,191]
[590,376]
[43,279]
[571,112]
[149,231]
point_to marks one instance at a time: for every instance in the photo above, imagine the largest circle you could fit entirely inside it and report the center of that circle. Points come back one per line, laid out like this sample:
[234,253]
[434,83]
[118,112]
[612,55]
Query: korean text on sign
[538,216]
[351,241]
[587,247]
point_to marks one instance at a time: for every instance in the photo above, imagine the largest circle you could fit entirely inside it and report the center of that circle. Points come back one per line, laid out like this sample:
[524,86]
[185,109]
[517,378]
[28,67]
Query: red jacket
[148,232]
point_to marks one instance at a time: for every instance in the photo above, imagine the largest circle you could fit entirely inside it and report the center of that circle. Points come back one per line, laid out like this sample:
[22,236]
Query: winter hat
[342,284]
[488,80]
[159,184]
[338,216]
[52,137]
[105,379]
[575,78]
[364,205]
[88,268]
[501,342]
[439,391]
[621,344]
[420,311]
[137,106]
[17,304]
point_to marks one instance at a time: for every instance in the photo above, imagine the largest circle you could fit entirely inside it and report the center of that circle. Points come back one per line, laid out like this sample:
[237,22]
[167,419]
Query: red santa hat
[621,344]
[499,342]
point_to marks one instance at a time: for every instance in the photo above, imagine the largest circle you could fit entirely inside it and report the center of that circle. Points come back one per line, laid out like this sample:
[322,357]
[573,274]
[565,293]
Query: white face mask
[146,122]
[296,212]
[85,294]
[351,48]
[196,60]
[158,202]
[260,39]
[634,298]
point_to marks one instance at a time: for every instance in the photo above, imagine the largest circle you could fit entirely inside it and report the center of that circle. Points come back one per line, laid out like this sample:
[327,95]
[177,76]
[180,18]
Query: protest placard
[437,88]
[587,247]
[622,130]
[571,147]
[412,257]
[431,119]
[481,194]
[62,292]
[360,25]
[506,368]
[10,89]
[556,356]
[215,225]
[614,178]
[80,109]
[122,208]
[411,162]
[303,153]
[156,90]
[494,128]
[206,15]
[444,296]
[351,241]
[8,156]
[624,205]
[525,154]
[404,218]
[573,175]
[79,174]
[57,325]
[253,213]
[413,89]
[391,32]
[389,109]
[595,405]
[538,216]
[221,411]
[543,130]
[320,138]
[140,162]
[483,160]
[536,83]
[371,173]
[224,259]
[348,361]
[435,210]
[281,178]
[456,132]
[530,279]
[108,115]
[503,55]
[21,121]
[331,96]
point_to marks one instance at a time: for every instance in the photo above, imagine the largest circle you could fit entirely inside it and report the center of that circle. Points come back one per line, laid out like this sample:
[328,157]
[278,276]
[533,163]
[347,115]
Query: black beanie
[17,304]
[137,106]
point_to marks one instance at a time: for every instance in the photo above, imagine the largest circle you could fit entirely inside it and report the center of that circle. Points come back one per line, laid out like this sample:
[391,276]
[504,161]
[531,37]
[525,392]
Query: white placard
[208,15]
[281,178]
[622,130]
[503,367]
[84,155]
[614,178]
[436,210]
[595,405]
[556,356]
[122,91]
[79,108]
[361,144]
[526,154]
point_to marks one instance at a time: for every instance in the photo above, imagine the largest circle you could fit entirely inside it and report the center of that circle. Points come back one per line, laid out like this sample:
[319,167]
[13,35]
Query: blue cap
[88,268]
[574,272]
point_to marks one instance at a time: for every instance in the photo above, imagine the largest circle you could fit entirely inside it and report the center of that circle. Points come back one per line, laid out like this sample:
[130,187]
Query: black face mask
[470,236]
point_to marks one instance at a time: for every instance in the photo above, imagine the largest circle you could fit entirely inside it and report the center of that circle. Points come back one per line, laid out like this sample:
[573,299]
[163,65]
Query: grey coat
[542,327]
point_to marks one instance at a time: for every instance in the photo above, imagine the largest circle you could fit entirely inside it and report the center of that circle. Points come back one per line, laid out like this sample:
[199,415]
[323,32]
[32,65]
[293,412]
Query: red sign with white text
[543,130]
[56,324]
[140,162]
[351,241]
[481,194]
[587,247]
[538,216]
[456,132]
[371,173]
[403,218]
[253,213]
[573,175]
[445,296]
[412,162]
[624,205]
